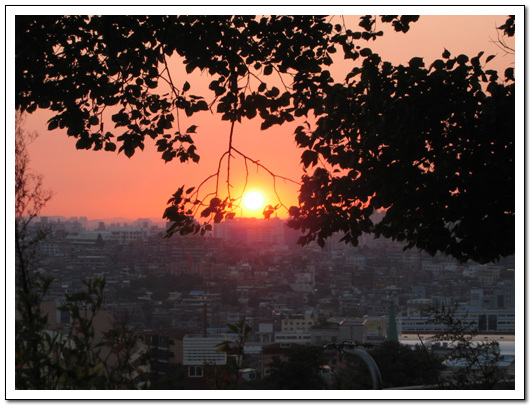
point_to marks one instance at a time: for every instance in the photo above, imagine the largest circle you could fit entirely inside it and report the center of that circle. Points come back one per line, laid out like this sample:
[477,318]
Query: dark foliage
[473,364]
[300,372]
[400,366]
[433,146]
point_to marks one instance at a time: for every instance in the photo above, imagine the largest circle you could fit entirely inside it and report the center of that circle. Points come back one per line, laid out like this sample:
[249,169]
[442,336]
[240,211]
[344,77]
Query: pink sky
[104,185]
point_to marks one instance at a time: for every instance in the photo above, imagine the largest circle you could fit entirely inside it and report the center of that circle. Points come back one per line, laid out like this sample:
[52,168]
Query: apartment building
[200,353]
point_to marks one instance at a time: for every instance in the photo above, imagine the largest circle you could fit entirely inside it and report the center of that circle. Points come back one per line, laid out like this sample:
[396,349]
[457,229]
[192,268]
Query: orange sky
[105,185]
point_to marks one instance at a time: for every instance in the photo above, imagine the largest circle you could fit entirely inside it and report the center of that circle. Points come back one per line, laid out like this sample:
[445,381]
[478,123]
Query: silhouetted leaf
[192,129]
[53,124]
[365,52]
[509,74]
[218,217]
[202,105]
[215,202]
[109,146]
[489,58]
[438,64]
[309,157]
[416,62]
[462,59]
[267,70]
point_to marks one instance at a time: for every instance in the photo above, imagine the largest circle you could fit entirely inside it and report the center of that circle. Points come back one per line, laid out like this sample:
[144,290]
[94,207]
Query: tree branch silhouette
[371,126]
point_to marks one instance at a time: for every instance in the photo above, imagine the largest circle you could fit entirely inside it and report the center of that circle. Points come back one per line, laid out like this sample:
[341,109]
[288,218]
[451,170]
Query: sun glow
[253,200]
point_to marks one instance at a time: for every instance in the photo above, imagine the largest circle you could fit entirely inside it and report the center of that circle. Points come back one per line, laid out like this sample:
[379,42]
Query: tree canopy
[432,146]
[400,366]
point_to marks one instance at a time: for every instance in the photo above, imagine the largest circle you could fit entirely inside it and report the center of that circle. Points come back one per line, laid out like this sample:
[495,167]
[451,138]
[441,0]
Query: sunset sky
[105,185]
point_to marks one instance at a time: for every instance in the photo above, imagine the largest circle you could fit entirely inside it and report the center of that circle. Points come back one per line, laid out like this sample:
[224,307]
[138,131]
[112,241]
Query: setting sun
[253,200]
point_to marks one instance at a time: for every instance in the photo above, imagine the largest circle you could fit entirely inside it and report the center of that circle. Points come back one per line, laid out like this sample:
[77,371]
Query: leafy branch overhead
[432,145]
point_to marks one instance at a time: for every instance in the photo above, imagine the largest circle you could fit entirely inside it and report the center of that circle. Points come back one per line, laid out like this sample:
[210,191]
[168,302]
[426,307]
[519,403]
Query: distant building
[50,248]
[508,293]
[321,335]
[477,296]
[127,234]
[304,282]
[353,329]
[252,231]
[199,353]
[419,306]
[88,238]
[298,323]
[418,291]
[165,348]
[488,275]
[484,319]
[376,327]
[266,332]
[84,222]
[412,325]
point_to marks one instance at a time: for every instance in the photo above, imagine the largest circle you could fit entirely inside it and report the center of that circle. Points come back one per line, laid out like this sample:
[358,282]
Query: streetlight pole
[377,383]
[348,347]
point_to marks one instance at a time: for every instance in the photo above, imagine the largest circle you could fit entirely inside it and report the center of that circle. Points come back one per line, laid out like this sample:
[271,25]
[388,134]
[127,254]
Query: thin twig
[274,176]
[229,157]
[173,88]
[257,163]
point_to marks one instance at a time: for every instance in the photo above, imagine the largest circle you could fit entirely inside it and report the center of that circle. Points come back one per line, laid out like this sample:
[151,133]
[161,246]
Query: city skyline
[288,294]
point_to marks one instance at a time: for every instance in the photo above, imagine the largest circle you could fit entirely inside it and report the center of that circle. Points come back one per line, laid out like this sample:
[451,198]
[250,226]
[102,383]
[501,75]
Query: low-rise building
[293,337]
[200,352]
[165,348]
[298,322]
[483,319]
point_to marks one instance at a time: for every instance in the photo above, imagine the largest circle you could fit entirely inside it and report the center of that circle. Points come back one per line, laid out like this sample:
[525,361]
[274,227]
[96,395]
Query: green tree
[300,372]
[46,359]
[445,182]
[235,352]
[76,359]
[31,345]
[172,380]
[81,360]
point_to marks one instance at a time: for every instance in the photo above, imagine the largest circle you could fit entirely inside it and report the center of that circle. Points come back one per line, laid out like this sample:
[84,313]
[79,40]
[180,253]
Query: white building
[298,323]
[127,234]
[293,337]
[485,320]
[199,351]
